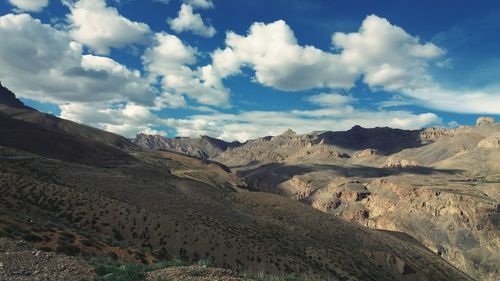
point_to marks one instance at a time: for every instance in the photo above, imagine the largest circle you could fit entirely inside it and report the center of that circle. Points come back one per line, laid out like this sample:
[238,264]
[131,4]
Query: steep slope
[163,204]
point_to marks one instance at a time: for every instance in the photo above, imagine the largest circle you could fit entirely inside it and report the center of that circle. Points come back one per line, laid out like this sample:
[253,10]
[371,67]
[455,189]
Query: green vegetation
[170,263]
[206,263]
[111,270]
[264,277]
[108,269]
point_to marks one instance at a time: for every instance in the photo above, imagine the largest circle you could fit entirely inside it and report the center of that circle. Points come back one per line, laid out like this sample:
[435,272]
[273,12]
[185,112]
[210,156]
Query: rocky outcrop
[396,163]
[433,134]
[492,142]
[368,153]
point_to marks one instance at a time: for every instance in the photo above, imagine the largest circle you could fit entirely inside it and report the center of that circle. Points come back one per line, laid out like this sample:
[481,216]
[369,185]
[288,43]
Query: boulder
[396,163]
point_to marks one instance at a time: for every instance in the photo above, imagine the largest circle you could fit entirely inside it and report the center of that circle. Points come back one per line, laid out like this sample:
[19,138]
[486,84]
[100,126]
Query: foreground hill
[441,186]
[91,192]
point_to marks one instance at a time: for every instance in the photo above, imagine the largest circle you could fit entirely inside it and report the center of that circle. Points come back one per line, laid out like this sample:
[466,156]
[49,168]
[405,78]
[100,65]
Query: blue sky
[243,69]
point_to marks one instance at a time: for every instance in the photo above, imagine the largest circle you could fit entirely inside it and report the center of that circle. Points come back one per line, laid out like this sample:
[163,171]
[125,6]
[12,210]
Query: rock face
[485,121]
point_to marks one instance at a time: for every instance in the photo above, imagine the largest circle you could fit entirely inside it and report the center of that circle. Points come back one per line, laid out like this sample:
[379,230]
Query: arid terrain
[441,186]
[77,190]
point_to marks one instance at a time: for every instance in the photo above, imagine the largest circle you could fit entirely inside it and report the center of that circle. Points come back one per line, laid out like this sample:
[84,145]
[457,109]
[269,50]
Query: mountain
[204,147]
[78,190]
[441,186]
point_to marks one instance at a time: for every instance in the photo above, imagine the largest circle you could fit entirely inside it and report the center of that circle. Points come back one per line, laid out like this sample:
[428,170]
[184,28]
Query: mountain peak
[8,98]
[289,132]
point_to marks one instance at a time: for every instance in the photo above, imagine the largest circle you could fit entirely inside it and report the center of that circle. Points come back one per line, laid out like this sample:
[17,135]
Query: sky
[238,70]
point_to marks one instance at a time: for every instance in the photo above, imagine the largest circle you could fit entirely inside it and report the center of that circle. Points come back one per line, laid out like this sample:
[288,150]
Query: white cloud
[168,100]
[395,101]
[187,21]
[29,5]
[170,59]
[253,124]
[465,101]
[386,55]
[42,63]
[202,4]
[330,99]
[100,27]
[273,52]
[383,55]
[127,120]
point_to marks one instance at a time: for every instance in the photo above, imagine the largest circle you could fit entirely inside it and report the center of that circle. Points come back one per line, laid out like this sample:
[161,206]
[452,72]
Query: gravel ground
[19,261]
[194,273]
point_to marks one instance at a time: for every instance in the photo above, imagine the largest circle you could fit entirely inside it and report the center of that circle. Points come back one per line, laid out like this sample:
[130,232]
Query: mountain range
[366,204]
[439,185]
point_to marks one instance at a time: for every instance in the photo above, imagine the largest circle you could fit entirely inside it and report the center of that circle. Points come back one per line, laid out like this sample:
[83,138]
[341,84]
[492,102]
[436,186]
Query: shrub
[67,249]
[32,238]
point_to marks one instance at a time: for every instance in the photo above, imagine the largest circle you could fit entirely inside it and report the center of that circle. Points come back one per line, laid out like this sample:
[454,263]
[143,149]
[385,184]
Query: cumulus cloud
[279,61]
[101,27]
[171,60]
[29,5]
[383,54]
[386,55]
[42,63]
[186,20]
[201,4]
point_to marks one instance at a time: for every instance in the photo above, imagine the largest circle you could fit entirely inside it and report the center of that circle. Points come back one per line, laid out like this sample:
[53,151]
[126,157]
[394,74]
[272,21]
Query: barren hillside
[92,192]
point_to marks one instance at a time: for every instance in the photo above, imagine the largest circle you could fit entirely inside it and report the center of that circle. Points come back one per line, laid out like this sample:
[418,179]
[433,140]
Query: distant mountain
[70,188]
[204,147]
